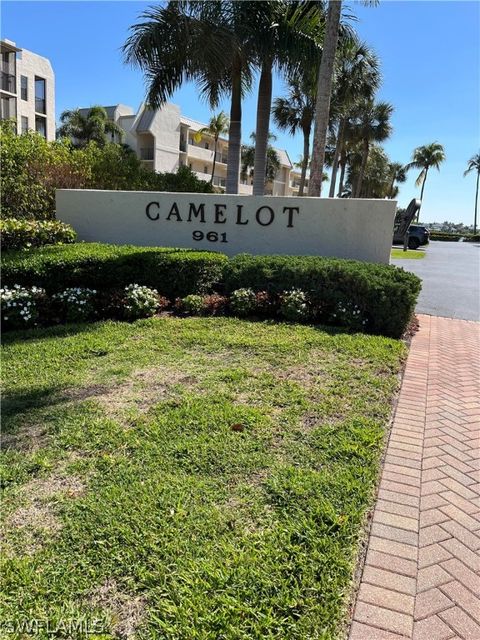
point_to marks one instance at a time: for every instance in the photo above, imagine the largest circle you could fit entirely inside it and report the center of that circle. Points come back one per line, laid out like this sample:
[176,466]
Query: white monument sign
[343,228]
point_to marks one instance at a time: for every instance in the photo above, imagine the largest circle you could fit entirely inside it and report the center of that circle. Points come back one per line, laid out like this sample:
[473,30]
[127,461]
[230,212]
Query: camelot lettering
[220,213]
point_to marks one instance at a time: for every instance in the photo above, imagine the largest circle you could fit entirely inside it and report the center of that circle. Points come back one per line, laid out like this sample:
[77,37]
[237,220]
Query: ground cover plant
[183,478]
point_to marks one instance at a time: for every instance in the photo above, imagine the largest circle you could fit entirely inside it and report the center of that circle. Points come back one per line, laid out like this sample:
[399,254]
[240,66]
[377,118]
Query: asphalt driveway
[450,274]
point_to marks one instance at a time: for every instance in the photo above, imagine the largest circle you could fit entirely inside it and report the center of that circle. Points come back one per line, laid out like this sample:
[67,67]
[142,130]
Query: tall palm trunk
[421,193]
[264,106]
[476,205]
[324,89]
[214,159]
[306,154]
[336,157]
[392,184]
[358,188]
[343,166]
[235,131]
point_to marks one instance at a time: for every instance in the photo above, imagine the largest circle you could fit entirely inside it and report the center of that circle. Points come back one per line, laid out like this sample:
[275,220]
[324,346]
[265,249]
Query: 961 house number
[211,236]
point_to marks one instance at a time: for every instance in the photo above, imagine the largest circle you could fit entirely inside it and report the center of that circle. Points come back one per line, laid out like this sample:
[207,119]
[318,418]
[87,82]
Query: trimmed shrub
[140,302]
[192,305]
[75,304]
[243,301]
[266,304]
[446,236]
[173,272]
[384,295]
[294,305]
[214,304]
[21,306]
[23,234]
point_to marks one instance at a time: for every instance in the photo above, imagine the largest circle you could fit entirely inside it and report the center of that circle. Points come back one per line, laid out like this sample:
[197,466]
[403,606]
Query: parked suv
[417,236]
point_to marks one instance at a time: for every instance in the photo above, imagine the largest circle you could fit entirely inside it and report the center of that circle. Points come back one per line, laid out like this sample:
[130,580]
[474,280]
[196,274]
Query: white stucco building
[164,139]
[27,90]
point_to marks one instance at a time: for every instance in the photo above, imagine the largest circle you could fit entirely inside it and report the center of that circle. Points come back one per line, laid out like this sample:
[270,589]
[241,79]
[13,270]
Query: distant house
[27,90]
[164,140]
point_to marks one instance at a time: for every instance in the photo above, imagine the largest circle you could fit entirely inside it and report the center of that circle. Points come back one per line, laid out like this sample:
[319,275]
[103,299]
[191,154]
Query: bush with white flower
[294,305]
[348,314]
[140,301]
[76,304]
[20,306]
[243,302]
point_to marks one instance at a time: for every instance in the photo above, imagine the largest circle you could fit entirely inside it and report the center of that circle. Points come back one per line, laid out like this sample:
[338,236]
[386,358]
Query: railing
[147,153]
[8,82]
[40,105]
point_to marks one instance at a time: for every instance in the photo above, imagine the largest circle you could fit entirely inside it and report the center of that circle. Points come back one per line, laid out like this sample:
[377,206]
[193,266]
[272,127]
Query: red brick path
[421,578]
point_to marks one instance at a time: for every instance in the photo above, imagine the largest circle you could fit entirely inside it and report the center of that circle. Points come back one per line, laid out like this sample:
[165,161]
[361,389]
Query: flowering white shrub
[19,305]
[140,302]
[348,314]
[294,305]
[76,303]
[243,301]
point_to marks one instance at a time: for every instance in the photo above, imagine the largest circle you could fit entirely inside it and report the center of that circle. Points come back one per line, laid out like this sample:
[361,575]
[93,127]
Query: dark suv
[417,236]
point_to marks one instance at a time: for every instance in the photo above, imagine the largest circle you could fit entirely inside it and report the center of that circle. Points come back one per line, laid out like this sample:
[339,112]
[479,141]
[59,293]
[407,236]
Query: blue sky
[430,54]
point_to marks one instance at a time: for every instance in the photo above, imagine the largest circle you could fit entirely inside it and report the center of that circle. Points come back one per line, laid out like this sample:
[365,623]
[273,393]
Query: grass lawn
[199,478]
[409,254]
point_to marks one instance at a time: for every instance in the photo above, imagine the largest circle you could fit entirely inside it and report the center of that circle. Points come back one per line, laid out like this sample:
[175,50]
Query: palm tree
[474,165]
[399,174]
[285,38]
[430,155]
[248,160]
[356,79]
[324,90]
[295,113]
[92,126]
[217,126]
[206,42]
[371,124]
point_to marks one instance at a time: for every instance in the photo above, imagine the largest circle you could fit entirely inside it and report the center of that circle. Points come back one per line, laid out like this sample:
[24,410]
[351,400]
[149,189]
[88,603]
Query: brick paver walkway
[421,577]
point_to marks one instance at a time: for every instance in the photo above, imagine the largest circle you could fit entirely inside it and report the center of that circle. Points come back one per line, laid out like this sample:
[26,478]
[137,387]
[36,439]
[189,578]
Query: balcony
[40,105]
[200,153]
[221,158]
[219,182]
[9,82]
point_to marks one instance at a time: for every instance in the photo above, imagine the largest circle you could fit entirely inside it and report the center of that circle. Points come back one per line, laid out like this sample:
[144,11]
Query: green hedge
[21,234]
[174,272]
[358,295]
[445,236]
[384,296]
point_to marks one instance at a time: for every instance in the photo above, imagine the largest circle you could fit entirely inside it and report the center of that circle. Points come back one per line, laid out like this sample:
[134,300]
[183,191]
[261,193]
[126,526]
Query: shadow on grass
[53,331]
[23,399]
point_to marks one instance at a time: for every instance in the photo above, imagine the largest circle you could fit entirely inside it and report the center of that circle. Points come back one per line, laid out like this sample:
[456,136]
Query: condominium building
[27,90]
[164,140]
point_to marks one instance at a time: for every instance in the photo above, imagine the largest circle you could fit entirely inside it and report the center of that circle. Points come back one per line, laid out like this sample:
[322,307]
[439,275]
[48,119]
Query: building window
[207,146]
[205,169]
[24,87]
[40,93]
[24,124]
[8,108]
[41,126]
